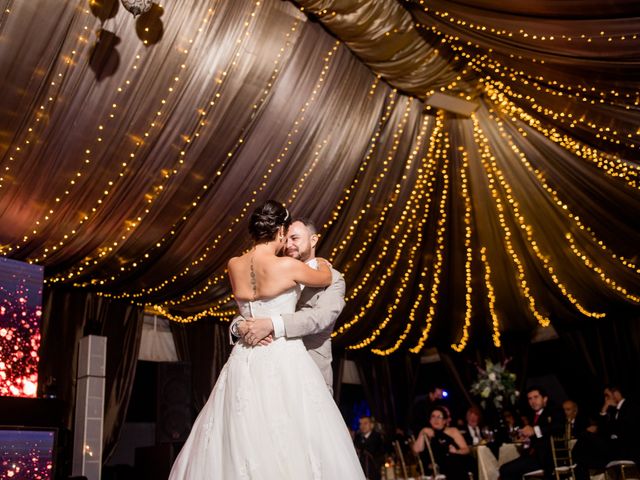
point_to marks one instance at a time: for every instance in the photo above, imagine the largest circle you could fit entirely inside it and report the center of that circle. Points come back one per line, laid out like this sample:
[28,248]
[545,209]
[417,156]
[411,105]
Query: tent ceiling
[132,151]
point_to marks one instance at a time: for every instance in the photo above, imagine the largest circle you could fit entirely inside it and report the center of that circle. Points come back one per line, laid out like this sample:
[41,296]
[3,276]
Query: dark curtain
[71,314]
[606,352]
[205,344]
[388,384]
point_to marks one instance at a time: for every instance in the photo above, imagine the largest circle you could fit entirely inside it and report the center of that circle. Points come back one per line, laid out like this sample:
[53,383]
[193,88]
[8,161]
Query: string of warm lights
[447,16]
[488,66]
[190,295]
[599,131]
[216,280]
[224,316]
[41,112]
[75,179]
[390,244]
[371,149]
[427,177]
[484,150]
[412,205]
[495,321]
[346,240]
[188,141]
[371,235]
[464,187]
[528,230]
[564,207]
[610,164]
[107,190]
[269,170]
[586,94]
[603,276]
[315,156]
[440,244]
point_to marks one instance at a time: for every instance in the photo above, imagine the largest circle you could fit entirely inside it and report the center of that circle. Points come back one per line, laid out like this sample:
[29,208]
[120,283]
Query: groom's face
[300,242]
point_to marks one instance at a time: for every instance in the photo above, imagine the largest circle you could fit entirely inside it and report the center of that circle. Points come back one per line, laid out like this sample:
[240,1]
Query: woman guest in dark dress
[450,450]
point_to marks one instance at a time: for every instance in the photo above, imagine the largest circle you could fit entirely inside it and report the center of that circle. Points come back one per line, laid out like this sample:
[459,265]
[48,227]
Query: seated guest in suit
[544,421]
[370,447]
[576,423]
[614,438]
[472,431]
[450,450]
[619,424]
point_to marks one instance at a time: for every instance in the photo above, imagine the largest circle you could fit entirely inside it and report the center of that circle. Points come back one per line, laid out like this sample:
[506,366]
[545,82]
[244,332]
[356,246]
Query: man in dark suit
[618,426]
[544,422]
[370,447]
[576,423]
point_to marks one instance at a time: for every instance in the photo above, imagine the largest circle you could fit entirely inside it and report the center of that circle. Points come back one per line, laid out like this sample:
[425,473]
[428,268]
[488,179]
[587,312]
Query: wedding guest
[370,448]
[450,450]
[422,405]
[544,421]
[576,423]
[613,438]
[473,428]
[619,425]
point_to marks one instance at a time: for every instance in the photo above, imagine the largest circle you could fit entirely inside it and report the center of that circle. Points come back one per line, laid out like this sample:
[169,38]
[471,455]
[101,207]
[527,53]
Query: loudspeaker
[174,415]
[89,416]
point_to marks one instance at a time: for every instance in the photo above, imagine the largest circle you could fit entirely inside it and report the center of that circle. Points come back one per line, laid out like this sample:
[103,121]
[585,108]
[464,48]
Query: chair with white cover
[622,466]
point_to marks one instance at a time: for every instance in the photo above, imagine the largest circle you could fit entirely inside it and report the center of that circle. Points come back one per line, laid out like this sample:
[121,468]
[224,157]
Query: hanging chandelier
[137,7]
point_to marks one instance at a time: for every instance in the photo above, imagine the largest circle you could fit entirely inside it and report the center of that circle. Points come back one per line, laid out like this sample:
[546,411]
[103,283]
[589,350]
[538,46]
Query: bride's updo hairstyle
[267,219]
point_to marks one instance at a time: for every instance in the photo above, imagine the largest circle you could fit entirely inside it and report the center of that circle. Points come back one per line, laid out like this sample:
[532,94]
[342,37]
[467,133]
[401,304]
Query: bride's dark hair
[267,219]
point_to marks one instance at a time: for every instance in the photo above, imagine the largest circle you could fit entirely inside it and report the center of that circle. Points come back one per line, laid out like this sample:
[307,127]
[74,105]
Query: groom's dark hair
[307,222]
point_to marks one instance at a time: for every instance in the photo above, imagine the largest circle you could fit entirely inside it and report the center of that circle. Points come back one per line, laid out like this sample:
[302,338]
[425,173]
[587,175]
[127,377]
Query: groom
[316,312]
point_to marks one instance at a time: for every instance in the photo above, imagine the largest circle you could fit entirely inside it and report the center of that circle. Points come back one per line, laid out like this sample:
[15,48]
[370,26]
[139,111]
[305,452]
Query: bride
[270,415]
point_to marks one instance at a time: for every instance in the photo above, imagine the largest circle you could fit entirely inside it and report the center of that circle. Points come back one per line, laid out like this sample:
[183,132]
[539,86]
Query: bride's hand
[266,340]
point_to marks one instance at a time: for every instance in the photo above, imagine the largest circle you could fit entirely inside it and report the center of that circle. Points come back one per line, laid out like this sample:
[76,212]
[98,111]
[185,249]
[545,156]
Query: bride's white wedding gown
[270,416]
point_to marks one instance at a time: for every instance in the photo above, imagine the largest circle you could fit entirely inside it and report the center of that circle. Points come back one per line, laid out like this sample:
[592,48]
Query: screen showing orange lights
[20,312]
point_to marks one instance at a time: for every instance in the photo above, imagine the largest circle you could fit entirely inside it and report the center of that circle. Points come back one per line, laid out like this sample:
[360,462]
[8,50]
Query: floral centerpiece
[496,384]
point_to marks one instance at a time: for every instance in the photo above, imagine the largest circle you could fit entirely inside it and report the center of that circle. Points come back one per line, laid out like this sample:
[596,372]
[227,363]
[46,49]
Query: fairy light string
[565,209]
[610,164]
[29,134]
[397,136]
[468,312]
[427,179]
[483,147]
[440,245]
[166,173]
[413,204]
[495,320]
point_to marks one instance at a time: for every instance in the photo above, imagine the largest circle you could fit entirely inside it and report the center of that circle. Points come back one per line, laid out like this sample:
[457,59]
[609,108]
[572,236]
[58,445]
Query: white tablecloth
[488,465]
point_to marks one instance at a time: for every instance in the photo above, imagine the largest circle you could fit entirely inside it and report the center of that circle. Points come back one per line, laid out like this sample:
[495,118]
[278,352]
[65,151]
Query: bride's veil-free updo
[267,219]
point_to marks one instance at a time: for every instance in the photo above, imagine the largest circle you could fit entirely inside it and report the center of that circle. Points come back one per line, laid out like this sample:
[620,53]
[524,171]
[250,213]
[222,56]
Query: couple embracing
[271,414]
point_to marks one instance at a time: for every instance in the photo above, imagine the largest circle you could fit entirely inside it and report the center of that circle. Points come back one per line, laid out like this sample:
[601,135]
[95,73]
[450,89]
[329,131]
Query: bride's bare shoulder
[234,262]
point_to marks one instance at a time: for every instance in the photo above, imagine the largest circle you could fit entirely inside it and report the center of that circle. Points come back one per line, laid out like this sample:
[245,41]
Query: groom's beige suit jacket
[313,321]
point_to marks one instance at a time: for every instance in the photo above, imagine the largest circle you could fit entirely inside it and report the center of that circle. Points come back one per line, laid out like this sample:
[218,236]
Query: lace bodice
[283,303]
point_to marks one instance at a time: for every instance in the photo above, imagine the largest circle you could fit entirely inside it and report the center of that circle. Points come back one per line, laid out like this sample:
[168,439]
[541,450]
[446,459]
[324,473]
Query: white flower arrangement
[495,384]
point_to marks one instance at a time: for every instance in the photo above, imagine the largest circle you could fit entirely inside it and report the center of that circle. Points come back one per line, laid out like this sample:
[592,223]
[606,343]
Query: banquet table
[489,465]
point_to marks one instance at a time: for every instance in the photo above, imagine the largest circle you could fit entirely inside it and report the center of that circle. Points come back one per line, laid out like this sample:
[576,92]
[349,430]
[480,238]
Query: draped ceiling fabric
[133,150]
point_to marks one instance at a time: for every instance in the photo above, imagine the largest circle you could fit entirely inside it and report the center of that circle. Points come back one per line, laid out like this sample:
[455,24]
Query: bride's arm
[302,273]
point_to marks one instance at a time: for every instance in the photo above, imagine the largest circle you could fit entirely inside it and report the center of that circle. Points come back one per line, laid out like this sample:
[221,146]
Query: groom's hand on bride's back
[257,331]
